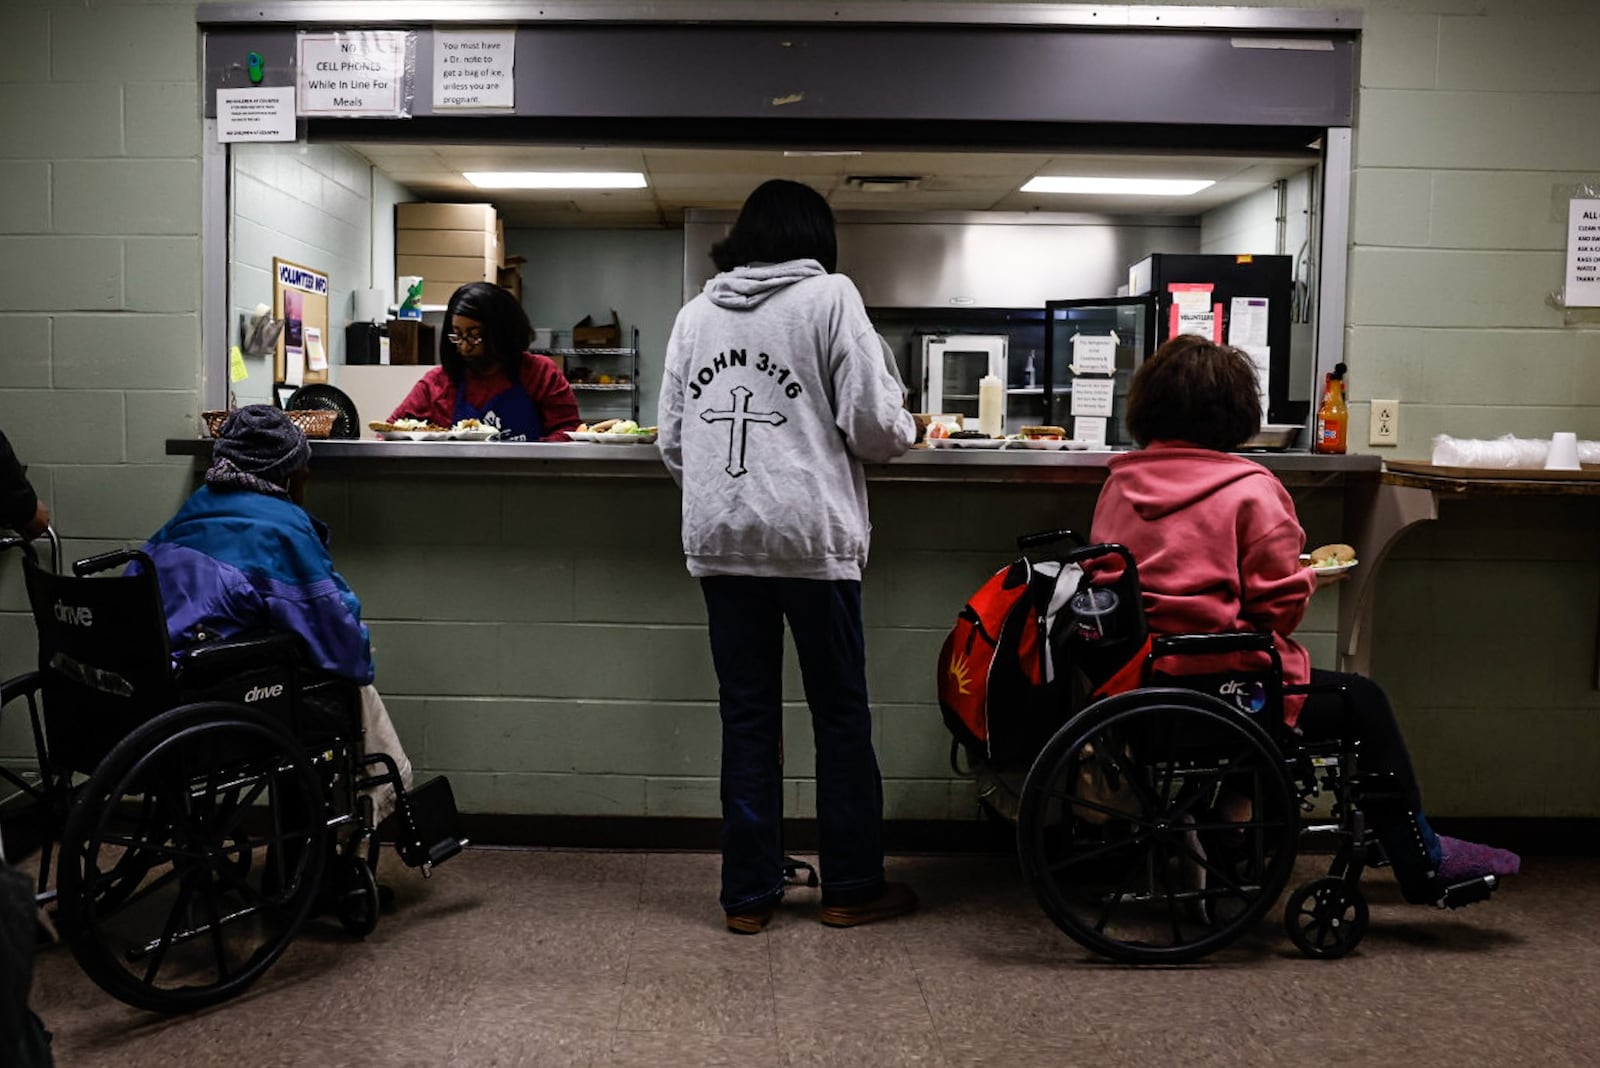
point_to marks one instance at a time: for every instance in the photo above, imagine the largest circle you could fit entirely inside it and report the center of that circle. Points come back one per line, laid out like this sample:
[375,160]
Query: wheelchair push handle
[93,565]
[1249,641]
[1103,549]
[1047,537]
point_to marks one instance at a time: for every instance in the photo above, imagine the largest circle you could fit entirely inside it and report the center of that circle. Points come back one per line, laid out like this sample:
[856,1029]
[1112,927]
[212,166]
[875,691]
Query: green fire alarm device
[255,66]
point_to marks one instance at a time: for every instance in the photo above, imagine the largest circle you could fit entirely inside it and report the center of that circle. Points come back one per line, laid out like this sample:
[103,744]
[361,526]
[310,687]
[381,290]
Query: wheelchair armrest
[1047,537]
[216,655]
[1202,644]
[93,565]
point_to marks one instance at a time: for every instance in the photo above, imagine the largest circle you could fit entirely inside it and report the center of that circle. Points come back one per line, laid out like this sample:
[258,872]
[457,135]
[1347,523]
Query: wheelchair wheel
[192,857]
[1158,826]
[1326,918]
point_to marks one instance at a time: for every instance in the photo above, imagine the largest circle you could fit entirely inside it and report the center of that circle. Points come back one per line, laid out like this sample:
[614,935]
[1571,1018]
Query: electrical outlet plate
[1385,426]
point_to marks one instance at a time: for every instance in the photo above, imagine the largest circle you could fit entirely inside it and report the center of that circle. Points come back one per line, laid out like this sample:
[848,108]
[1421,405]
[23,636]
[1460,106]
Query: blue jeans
[747,615]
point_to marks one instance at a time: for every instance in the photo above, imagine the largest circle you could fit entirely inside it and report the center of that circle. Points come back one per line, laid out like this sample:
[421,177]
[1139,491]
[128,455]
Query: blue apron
[511,410]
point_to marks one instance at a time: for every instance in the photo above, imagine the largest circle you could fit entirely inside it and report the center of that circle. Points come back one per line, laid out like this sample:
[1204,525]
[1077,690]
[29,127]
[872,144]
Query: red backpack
[997,683]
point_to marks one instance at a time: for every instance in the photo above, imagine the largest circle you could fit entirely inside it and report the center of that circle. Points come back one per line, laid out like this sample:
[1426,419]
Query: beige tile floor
[522,957]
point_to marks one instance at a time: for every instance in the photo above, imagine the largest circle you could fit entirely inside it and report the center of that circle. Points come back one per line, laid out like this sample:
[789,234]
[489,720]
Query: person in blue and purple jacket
[243,558]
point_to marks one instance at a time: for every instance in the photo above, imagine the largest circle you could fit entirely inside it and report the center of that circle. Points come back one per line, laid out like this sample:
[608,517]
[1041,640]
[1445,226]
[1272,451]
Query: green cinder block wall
[570,675]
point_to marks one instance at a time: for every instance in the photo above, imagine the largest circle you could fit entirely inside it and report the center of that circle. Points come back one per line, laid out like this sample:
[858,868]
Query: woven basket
[315,424]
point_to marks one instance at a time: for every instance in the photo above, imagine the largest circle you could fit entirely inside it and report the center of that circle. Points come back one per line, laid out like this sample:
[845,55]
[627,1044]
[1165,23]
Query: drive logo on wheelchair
[1247,695]
[263,693]
[74,615]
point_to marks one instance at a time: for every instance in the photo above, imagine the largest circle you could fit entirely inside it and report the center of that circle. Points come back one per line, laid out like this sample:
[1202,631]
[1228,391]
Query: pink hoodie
[1218,547]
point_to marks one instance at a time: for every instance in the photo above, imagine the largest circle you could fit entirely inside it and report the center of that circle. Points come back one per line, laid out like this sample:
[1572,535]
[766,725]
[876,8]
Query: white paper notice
[356,73]
[294,367]
[1197,319]
[1247,321]
[256,114]
[472,69]
[1583,254]
[316,356]
[1261,357]
[1090,428]
[1094,354]
[1092,396]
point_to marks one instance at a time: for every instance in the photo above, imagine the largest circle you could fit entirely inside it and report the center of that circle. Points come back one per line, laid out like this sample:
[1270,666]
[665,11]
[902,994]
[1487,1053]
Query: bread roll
[1333,553]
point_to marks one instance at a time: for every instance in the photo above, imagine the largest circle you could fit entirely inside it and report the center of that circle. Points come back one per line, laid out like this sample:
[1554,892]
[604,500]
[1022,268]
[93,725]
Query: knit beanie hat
[260,440]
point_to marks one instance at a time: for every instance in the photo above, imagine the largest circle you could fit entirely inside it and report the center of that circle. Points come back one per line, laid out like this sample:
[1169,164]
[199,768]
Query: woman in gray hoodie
[777,389]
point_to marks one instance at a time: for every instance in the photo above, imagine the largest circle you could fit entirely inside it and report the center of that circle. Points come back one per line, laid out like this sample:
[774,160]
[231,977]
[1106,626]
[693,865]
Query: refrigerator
[1245,301]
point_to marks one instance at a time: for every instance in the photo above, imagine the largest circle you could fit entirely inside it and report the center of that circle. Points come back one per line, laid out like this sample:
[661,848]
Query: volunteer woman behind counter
[486,372]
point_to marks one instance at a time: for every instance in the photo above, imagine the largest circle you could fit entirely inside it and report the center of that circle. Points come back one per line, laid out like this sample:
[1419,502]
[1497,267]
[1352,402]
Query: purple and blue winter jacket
[233,563]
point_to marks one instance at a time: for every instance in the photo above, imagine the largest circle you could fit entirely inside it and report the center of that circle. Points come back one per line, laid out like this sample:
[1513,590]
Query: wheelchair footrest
[430,825]
[1458,895]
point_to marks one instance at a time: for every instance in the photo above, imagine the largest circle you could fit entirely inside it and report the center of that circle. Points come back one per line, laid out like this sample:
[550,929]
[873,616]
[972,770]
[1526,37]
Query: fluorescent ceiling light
[793,153]
[1140,187]
[555,179]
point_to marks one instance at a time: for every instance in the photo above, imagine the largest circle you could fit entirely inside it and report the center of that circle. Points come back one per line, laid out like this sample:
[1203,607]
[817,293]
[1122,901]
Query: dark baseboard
[799,836]
[1571,837]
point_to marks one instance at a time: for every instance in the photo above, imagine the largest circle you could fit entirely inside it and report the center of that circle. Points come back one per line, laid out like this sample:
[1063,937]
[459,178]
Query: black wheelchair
[1161,824]
[203,806]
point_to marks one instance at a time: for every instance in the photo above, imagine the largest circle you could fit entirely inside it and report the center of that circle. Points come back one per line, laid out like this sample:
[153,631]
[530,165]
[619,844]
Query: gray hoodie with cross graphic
[777,390]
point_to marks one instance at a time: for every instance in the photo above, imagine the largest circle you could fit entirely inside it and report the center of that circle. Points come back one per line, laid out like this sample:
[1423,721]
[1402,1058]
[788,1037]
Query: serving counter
[586,460]
[539,638]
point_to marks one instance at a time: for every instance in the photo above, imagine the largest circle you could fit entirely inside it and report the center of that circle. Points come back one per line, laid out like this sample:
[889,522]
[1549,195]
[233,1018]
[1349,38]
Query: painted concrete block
[1501,209]
[153,417]
[487,583]
[25,209]
[60,274]
[1531,52]
[689,798]
[164,274]
[435,658]
[162,119]
[25,47]
[126,351]
[1399,51]
[1391,207]
[161,35]
[586,795]
[630,663]
[154,196]
[39,418]
[1476,130]
[25,362]
[1392,287]
[128,502]
[63,120]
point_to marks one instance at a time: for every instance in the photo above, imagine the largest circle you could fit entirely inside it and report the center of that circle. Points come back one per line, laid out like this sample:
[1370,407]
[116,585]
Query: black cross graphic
[739,417]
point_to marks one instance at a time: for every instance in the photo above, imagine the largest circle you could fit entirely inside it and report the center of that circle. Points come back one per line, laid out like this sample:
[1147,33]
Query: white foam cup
[1563,452]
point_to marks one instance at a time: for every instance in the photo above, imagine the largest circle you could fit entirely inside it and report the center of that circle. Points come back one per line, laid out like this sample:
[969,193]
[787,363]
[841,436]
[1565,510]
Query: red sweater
[434,396]
[1218,546]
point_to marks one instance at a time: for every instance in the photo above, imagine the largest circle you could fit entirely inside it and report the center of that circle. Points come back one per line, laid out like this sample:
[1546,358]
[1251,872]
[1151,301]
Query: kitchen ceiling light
[555,179]
[1142,187]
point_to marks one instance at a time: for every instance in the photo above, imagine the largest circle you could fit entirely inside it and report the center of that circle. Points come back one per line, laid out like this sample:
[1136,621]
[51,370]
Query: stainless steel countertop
[575,459]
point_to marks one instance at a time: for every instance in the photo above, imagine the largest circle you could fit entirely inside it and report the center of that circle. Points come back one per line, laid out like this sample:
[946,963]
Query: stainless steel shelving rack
[603,401]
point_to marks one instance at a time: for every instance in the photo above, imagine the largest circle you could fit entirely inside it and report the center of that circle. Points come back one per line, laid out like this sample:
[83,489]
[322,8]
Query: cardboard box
[425,216]
[588,335]
[510,278]
[475,243]
[458,269]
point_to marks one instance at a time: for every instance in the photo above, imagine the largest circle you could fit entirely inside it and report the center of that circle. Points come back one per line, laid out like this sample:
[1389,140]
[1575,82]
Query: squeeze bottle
[1333,418]
[991,405]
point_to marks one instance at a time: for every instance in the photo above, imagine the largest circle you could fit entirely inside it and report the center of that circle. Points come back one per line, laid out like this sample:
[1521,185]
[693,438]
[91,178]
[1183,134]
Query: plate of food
[472,430]
[1332,559]
[410,430]
[614,432]
[968,439]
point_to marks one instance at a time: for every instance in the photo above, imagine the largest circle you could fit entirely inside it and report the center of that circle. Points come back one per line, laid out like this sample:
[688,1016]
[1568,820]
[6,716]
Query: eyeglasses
[464,339]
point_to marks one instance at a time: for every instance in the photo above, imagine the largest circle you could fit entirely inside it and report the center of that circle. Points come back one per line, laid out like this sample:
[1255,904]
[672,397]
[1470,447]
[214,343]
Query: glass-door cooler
[952,366]
[1119,333]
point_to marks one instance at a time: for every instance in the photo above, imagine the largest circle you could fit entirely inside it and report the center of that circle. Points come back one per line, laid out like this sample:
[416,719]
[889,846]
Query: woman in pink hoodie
[1218,546]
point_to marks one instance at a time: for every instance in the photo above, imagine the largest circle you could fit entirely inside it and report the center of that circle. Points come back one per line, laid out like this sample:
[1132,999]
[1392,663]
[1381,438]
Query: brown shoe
[896,899]
[749,922]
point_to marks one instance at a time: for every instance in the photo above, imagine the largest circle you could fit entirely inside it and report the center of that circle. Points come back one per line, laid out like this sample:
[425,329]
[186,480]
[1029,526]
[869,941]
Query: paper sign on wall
[1092,396]
[1090,428]
[1583,254]
[1094,354]
[365,72]
[473,69]
[256,114]
[1247,321]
